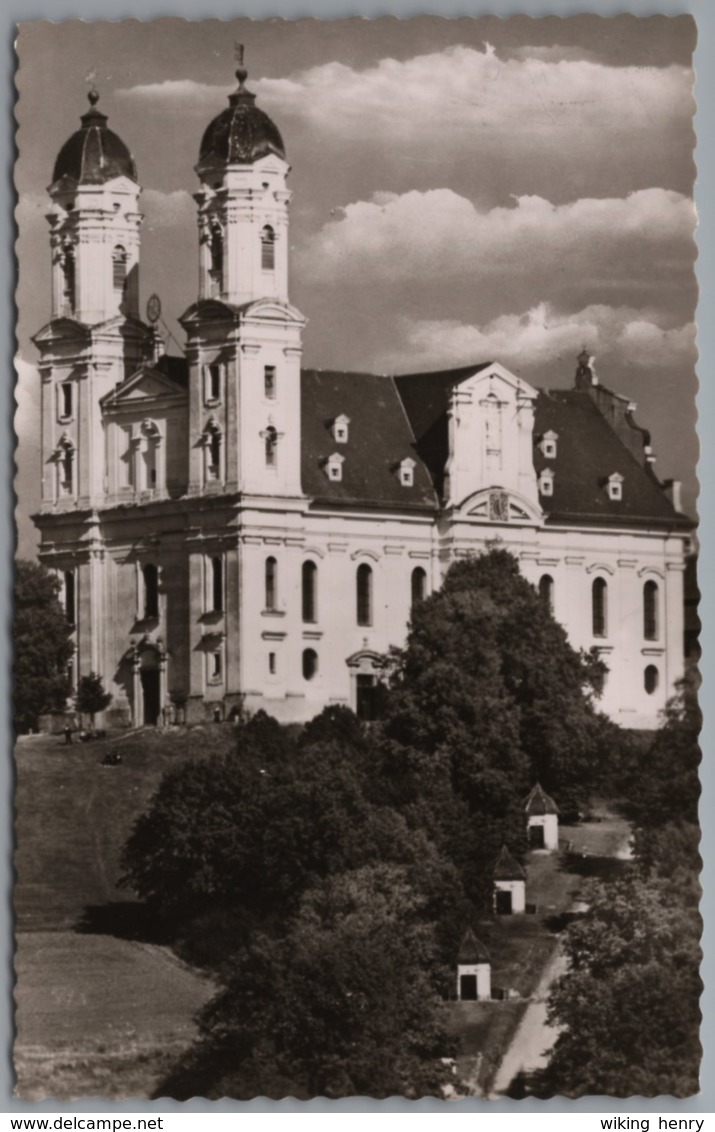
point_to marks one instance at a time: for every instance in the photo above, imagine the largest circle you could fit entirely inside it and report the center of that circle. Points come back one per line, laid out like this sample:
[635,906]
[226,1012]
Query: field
[100,1011]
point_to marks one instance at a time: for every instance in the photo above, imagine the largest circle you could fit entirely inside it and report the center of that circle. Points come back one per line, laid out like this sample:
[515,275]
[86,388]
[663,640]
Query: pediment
[209,310]
[61,328]
[145,385]
[499,505]
[271,308]
[497,380]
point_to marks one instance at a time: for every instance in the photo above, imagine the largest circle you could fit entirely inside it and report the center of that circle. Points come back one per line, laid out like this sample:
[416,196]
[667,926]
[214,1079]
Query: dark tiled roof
[588,452]
[472,950]
[94,154]
[176,369]
[507,868]
[426,398]
[539,802]
[241,134]
[379,437]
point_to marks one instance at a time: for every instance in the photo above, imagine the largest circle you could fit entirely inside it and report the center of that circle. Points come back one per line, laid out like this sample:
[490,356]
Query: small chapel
[233,531]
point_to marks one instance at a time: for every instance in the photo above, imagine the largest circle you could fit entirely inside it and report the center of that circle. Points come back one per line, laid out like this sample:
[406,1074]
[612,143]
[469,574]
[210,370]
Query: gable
[148,385]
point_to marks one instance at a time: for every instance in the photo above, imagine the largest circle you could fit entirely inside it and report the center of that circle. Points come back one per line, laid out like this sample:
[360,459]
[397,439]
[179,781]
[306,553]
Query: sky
[464,191]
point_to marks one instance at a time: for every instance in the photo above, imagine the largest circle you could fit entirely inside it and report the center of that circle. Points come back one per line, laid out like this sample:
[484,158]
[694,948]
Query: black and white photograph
[356,590]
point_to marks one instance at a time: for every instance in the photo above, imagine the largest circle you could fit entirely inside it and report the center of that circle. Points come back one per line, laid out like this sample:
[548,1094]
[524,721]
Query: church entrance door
[151,695]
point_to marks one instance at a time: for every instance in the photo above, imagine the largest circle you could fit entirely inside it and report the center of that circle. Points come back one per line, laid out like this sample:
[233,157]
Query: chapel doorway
[468,988]
[503,902]
[536,837]
[367,690]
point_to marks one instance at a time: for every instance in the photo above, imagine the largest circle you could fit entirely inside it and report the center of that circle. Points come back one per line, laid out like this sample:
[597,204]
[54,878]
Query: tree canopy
[91,696]
[42,645]
[629,1005]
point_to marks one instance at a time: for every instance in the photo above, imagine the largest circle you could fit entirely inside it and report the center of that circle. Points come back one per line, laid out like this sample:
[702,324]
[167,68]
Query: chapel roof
[94,154]
[507,867]
[472,950]
[539,802]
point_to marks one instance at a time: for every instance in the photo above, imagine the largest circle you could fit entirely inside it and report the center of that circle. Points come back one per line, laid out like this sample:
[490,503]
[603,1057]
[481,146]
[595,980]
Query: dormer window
[546,482]
[614,487]
[334,467]
[548,444]
[340,429]
[406,472]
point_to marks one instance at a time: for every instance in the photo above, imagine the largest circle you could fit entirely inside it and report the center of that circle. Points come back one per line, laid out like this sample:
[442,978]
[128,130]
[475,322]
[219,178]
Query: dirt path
[531,1045]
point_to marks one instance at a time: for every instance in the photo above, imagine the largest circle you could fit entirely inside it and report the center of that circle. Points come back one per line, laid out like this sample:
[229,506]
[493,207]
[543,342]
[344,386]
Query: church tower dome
[94,154]
[241,134]
[94,223]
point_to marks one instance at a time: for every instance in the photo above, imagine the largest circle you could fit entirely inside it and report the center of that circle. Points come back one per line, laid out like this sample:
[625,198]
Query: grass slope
[99,1011]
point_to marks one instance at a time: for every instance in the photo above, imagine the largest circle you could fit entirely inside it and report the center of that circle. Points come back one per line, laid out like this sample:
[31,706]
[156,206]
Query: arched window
[69,596]
[271,441]
[216,253]
[309,592]
[271,584]
[119,268]
[68,282]
[651,679]
[151,590]
[268,249]
[418,586]
[650,611]
[546,591]
[599,607]
[217,585]
[364,594]
[310,664]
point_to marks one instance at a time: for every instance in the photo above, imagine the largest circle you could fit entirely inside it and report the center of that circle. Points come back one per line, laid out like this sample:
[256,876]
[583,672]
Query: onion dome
[242,134]
[94,154]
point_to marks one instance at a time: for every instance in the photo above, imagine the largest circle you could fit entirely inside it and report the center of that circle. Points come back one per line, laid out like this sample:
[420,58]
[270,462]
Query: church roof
[94,154]
[472,950]
[241,134]
[507,867]
[593,444]
[539,802]
[379,437]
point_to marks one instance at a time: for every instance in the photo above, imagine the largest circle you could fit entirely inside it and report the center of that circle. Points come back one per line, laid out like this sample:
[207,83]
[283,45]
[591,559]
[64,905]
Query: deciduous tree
[42,645]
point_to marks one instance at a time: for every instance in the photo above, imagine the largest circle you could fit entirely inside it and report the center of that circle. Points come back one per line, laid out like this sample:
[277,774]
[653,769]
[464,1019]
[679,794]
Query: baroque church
[234,532]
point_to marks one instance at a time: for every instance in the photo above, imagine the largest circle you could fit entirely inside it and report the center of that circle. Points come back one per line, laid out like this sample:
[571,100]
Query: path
[534,1038]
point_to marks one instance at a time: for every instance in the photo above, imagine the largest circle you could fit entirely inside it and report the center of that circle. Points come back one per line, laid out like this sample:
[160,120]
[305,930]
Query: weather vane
[93,93]
[241,72]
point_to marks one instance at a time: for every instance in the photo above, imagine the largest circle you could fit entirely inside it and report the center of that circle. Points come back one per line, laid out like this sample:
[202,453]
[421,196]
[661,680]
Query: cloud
[171,91]
[168,210]
[440,236]
[543,336]
[535,92]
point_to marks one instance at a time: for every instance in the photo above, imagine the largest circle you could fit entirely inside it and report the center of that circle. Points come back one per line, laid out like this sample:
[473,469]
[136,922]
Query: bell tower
[244,338]
[94,338]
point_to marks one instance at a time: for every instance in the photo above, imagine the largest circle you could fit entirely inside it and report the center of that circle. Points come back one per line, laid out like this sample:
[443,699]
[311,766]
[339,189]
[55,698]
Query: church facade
[234,532]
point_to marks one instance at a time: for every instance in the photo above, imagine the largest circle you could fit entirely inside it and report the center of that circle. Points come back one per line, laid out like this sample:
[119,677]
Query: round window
[651,677]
